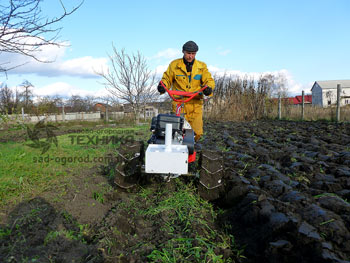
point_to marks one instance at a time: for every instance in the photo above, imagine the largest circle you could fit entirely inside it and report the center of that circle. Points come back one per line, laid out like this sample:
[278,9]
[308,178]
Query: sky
[305,40]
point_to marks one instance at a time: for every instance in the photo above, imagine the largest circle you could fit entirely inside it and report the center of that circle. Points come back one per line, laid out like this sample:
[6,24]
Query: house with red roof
[299,99]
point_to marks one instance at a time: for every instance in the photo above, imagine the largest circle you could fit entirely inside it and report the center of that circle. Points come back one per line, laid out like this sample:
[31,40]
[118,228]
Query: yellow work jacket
[177,78]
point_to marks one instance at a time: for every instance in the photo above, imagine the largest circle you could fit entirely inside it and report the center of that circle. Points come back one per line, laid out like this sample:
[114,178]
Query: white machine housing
[167,158]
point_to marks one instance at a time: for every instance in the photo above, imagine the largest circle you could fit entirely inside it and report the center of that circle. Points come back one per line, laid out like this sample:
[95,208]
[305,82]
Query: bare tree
[58,100]
[278,85]
[26,94]
[243,98]
[24,29]
[129,80]
[46,105]
[89,102]
[109,99]
[6,97]
[76,103]
[9,100]
[151,96]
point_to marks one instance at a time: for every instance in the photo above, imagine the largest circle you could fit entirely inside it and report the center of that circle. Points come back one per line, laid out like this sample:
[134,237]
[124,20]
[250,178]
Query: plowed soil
[285,198]
[287,189]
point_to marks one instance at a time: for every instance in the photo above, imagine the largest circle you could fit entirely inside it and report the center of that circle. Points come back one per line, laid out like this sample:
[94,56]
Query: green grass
[186,219]
[68,234]
[188,215]
[25,172]
[184,207]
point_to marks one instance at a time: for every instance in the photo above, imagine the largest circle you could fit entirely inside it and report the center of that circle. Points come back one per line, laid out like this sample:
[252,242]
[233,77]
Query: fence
[312,112]
[246,106]
[83,116]
[72,116]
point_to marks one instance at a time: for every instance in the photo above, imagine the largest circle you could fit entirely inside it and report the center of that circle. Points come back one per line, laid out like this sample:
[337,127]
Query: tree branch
[23,29]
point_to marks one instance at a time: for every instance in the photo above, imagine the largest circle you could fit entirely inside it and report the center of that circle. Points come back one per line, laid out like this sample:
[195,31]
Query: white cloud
[55,64]
[84,66]
[294,88]
[223,52]
[163,58]
[161,69]
[170,53]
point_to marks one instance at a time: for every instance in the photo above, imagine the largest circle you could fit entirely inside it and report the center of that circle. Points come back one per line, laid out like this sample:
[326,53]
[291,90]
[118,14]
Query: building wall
[116,115]
[345,92]
[317,95]
[149,112]
[328,96]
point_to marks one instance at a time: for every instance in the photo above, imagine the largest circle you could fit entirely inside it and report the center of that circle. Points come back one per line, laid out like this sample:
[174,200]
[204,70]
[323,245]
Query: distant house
[101,107]
[299,99]
[149,111]
[146,111]
[324,93]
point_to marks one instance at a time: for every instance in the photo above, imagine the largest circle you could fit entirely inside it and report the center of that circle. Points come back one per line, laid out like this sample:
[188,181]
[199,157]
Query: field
[288,189]
[285,198]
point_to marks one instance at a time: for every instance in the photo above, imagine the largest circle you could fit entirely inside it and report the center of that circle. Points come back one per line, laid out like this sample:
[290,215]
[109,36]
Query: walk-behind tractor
[171,152]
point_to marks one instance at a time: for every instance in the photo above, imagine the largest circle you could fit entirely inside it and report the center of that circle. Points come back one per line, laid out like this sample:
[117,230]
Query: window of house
[346,101]
[329,102]
[148,112]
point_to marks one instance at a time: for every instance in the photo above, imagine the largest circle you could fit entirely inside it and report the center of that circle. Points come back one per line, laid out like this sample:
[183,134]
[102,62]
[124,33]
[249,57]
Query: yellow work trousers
[194,115]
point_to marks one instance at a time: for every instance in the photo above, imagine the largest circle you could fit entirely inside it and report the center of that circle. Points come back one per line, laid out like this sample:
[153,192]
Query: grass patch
[190,224]
[181,219]
[26,173]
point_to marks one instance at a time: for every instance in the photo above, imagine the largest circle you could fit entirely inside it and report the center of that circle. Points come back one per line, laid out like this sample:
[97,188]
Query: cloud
[160,70]
[294,88]
[170,53]
[163,58]
[223,52]
[54,63]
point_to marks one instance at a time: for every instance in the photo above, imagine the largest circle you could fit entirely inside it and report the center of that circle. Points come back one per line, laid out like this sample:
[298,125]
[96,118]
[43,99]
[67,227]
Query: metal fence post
[279,107]
[63,117]
[23,114]
[302,105]
[338,101]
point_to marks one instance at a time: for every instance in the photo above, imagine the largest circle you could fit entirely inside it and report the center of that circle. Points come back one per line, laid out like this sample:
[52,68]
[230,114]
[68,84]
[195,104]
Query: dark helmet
[190,46]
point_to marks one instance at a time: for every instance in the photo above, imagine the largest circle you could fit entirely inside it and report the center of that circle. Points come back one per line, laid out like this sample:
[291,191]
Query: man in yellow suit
[189,74]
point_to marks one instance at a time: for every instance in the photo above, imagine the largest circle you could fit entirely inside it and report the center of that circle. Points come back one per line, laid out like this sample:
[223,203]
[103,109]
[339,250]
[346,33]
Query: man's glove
[207,91]
[160,88]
